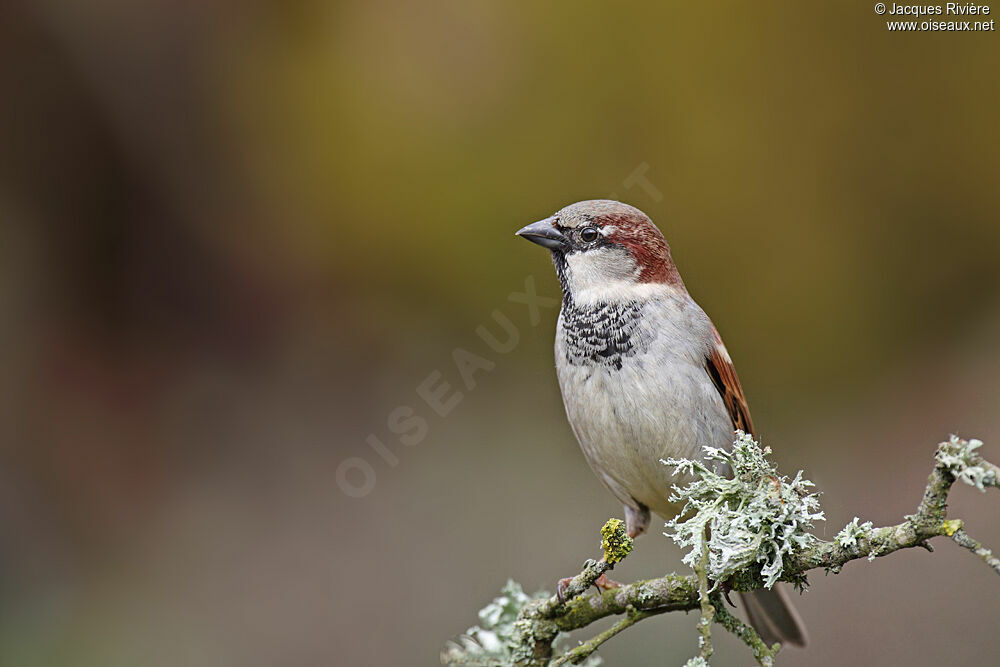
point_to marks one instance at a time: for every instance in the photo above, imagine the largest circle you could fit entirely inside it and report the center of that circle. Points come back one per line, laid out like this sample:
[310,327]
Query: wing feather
[720,368]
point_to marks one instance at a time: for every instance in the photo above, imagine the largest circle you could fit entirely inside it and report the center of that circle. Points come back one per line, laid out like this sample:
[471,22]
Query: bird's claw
[726,590]
[561,587]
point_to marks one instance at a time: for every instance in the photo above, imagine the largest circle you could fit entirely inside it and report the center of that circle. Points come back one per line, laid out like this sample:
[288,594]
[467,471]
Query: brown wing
[720,368]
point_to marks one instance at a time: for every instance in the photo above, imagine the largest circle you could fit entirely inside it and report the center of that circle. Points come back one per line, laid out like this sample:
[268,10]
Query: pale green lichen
[960,458]
[615,542]
[847,538]
[754,516]
[697,661]
[489,644]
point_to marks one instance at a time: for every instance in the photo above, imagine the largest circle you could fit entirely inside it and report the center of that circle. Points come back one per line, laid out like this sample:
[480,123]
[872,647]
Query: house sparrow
[643,372]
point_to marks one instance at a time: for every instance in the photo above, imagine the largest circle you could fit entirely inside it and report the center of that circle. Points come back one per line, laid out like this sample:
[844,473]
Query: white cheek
[601,270]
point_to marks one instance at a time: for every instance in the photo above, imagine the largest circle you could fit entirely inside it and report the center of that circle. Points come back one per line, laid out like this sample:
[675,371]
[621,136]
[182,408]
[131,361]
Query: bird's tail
[774,618]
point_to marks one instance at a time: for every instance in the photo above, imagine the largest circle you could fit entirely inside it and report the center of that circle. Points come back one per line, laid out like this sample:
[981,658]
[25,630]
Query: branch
[541,621]
[762,653]
[962,539]
[581,652]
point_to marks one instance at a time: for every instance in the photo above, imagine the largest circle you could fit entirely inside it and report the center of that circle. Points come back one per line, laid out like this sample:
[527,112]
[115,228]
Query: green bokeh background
[237,235]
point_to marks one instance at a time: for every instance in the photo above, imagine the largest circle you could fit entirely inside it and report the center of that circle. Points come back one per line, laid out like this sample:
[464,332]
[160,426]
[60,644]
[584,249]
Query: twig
[763,654]
[577,655]
[592,571]
[963,539]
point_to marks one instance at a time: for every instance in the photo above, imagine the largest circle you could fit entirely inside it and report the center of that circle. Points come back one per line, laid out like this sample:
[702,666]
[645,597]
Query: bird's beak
[544,233]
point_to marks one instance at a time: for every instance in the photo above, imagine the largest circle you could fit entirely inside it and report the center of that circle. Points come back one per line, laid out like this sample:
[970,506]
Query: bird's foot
[561,587]
[725,588]
[603,583]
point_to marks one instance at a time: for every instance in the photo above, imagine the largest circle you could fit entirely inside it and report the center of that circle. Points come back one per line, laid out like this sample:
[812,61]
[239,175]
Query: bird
[643,372]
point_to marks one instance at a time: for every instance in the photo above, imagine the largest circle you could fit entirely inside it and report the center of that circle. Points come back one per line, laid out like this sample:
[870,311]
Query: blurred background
[238,237]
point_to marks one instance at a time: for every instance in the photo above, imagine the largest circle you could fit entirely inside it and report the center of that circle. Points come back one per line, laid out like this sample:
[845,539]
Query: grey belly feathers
[634,385]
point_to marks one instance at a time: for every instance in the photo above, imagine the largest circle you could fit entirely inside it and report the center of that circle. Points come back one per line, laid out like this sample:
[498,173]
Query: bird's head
[605,250]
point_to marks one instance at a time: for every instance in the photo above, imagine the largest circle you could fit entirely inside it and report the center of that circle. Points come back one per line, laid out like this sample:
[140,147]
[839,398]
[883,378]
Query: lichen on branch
[615,541]
[749,529]
[753,515]
[494,642]
[965,464]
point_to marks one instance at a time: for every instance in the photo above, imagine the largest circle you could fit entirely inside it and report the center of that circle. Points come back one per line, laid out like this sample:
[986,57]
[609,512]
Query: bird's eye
[589,234]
